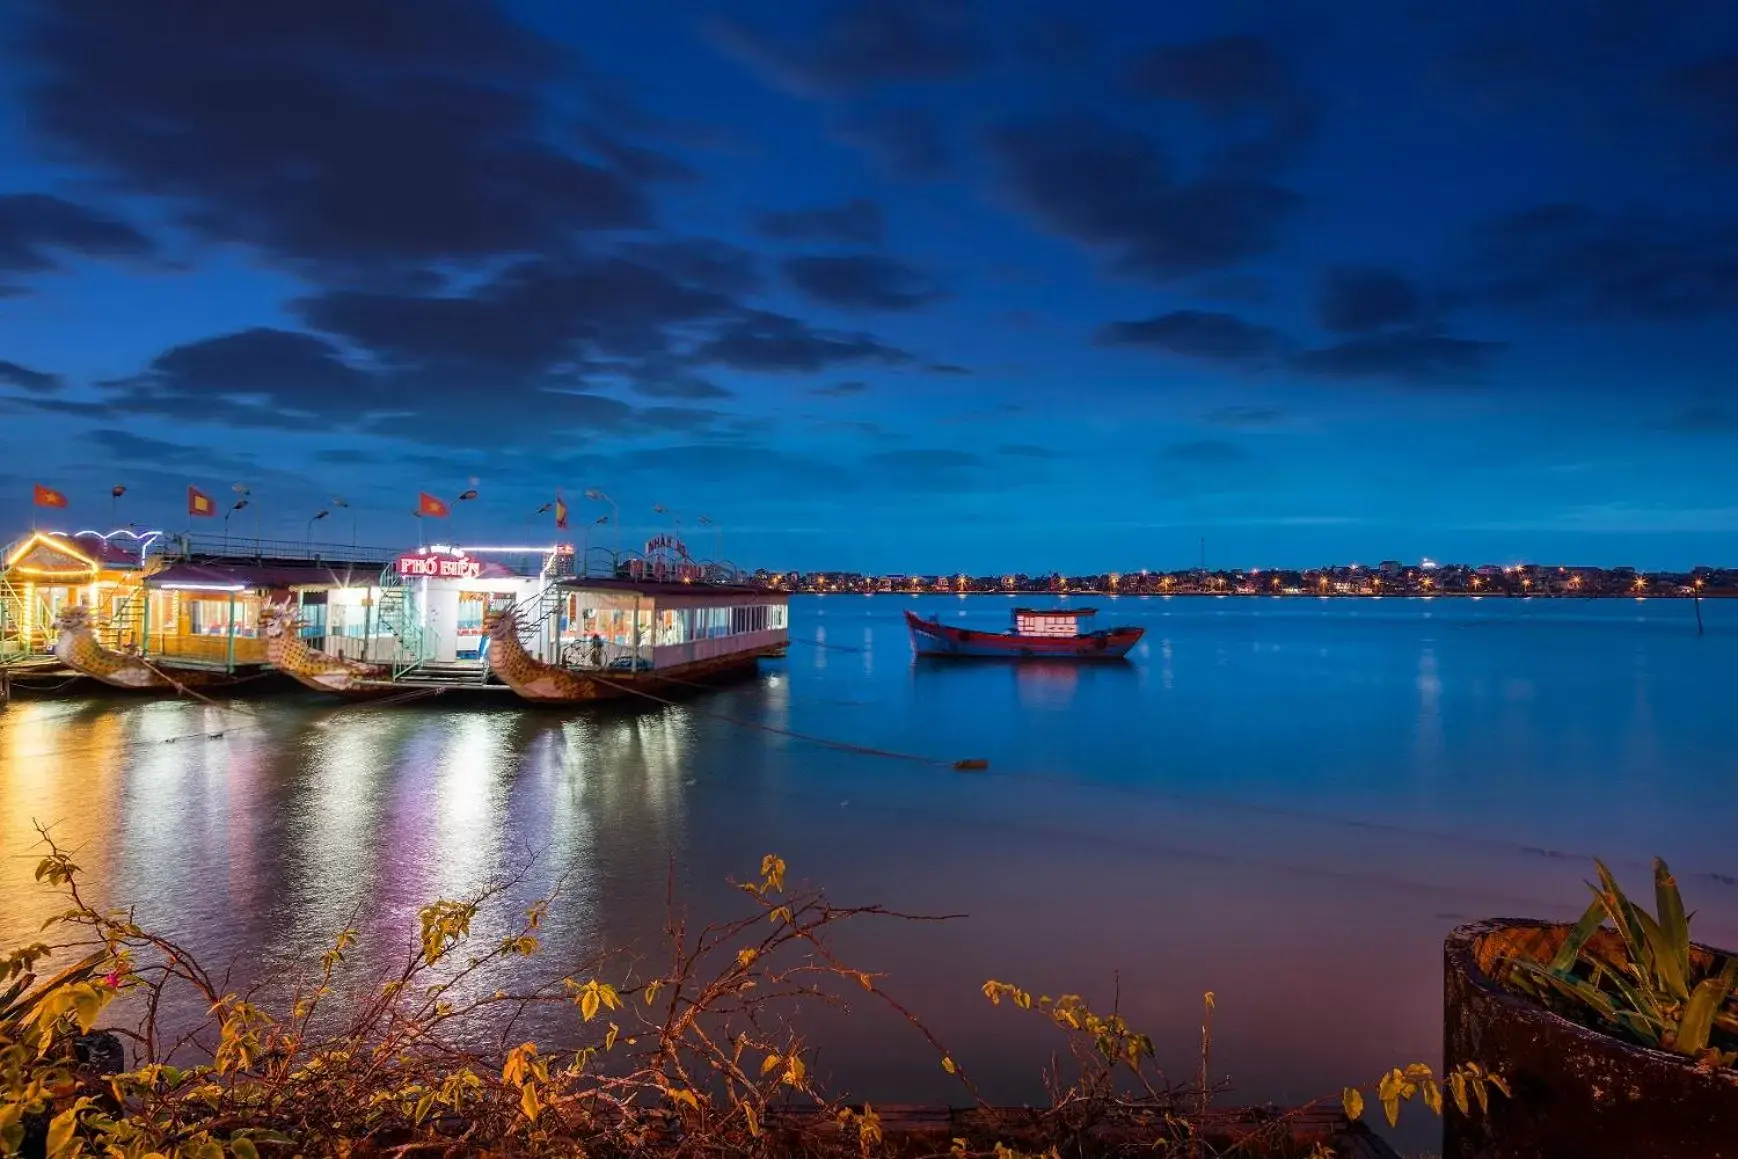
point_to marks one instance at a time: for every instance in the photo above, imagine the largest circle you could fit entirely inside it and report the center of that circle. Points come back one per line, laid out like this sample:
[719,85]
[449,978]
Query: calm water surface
[1288,802]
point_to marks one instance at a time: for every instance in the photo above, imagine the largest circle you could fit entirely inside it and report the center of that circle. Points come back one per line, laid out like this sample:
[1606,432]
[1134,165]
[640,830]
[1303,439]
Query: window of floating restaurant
[312,616]
[583,620]
[472,605]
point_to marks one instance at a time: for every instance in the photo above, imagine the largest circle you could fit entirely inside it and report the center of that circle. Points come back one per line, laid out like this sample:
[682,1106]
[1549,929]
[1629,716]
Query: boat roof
[664,587]
[1060,613]
[243,577]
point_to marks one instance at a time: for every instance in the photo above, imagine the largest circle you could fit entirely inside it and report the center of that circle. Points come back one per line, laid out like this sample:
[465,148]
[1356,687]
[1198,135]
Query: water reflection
[1262,770]
[1047,686]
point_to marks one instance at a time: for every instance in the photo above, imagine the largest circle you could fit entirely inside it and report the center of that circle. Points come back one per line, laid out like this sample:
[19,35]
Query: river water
[1286,801]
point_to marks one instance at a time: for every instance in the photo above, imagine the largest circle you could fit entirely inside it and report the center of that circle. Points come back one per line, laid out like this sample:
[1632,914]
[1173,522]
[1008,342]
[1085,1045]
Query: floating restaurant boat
[49,571]
[1049,634]
[626,637]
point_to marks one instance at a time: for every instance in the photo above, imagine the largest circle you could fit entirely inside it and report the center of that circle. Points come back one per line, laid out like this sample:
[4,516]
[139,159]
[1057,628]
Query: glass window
[779,616]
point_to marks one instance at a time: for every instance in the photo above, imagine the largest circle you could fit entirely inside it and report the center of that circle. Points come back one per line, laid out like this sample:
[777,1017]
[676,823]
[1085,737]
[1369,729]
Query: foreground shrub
[697,1057]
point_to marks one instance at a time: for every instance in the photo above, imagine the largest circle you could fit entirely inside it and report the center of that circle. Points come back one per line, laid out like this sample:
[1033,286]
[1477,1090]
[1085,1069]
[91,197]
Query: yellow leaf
[772,871]
[588,1003]
[609,1040]
[1457,1086]
[1391,1108]
[528,1101]
[947,1065]
[993,991]
[769,1064]
[753,1119]
[652,988]
[1353,1100]
[865,981]
[86,1005]
[243,1148]
[746,957]
[1207,998]
[682,1096]
[61,1141]
[794,1071]
[1502,1084]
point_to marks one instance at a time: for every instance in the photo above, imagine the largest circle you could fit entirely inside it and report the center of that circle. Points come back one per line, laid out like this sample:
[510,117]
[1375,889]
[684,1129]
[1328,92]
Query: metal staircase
[26,624]
[539,623]
[397,613]
[124,629]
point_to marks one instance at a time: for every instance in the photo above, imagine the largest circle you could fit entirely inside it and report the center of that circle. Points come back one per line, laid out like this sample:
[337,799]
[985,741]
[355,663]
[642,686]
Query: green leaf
[1662,960]
[1621,912]
[1698,1021]
[243,1148]
[1578,937]
[1669,904]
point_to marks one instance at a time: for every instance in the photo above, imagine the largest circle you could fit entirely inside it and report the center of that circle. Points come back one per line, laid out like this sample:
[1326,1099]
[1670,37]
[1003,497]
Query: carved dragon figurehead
[276,620]
[74,618]
[501,625]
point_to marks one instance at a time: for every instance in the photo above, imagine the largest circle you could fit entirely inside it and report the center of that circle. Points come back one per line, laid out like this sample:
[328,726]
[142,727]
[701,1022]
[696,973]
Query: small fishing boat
[1048,633]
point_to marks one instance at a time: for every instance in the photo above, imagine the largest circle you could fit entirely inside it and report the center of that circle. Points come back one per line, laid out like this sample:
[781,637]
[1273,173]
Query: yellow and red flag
[200,504]
[48,497]
[560,513]
[427,504]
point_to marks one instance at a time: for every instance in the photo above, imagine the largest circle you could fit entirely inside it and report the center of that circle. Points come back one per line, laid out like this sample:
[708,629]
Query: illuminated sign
[438,565]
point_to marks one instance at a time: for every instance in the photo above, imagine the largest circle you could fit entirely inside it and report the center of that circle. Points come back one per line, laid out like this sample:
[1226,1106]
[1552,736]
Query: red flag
[427,504]
[48,497]
[200,504]
[560,513]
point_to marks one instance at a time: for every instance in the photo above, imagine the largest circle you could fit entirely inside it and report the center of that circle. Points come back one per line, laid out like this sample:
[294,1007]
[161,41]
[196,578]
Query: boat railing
[605,656]
[190,546]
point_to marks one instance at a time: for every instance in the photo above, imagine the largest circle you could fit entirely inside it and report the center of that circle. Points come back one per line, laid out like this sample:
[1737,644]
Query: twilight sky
[911,285]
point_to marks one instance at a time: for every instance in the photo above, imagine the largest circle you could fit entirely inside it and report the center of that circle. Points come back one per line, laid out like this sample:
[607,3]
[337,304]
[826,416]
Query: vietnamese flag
[560,513]
[200,504]
[427,504]
[48,497]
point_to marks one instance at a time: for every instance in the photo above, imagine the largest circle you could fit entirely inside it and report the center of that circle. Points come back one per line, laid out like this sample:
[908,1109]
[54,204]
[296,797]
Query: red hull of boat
[930,638]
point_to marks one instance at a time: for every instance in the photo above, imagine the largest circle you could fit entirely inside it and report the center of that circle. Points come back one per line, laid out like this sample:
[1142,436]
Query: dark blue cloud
[23,377]
[857,221]
[39,232]
[1199,334]
[864,44]
[861,282]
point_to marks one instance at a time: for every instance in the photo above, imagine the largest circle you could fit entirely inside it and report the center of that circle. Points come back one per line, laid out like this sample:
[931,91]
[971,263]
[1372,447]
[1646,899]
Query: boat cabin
[645,625]
[47,571]
[432,603]
[206,614]
[1051,623]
